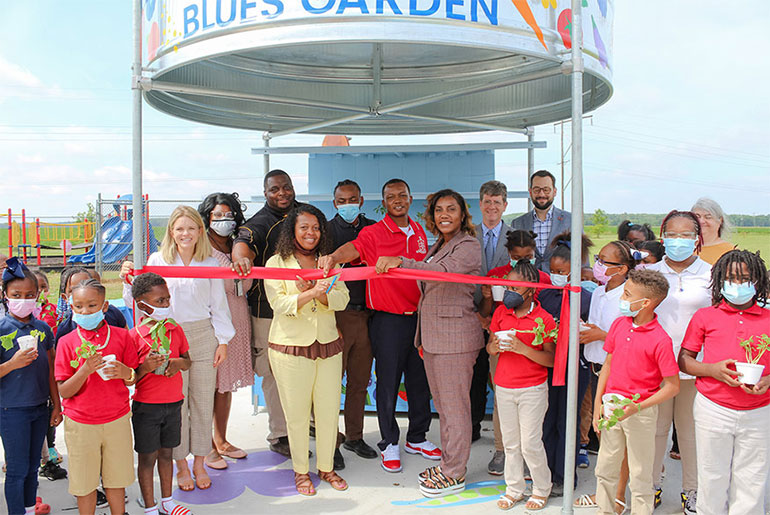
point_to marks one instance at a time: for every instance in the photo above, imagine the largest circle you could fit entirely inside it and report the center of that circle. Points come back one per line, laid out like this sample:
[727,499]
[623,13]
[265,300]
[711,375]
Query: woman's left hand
[385,263]
[220,355]
[303,285]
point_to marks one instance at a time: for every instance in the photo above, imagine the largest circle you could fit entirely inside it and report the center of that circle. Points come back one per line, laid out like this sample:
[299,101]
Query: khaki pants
[522,411]
[495,415]
[305,384]
[637,435]
[260,329]
[679,410]
[198,386]
[733,458]
[586,415]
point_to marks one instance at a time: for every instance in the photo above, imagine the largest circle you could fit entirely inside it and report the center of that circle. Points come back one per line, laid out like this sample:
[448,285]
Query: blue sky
[689,116]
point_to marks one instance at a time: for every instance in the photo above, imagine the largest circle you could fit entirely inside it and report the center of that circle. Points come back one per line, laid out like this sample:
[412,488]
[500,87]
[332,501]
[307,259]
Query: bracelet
[132,377]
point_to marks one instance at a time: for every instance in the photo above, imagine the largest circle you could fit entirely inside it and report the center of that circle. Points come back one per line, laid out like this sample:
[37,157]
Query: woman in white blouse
[688,278]
[200,307]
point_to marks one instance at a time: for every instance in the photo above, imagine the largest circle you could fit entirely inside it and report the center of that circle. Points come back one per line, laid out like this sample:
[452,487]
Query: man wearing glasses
[545,220]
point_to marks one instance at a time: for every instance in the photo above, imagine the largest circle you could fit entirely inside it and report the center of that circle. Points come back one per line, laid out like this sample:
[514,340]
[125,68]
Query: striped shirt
[542,229]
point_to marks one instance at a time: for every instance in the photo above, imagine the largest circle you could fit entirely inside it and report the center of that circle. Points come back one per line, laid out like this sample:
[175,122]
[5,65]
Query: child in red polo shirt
[157,408]
[731,417]
[521,387]
[97,427]
[640,360]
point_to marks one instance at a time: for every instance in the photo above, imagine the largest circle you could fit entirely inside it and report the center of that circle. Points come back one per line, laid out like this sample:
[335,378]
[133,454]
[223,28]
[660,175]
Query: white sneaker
[391,458]
[426,448]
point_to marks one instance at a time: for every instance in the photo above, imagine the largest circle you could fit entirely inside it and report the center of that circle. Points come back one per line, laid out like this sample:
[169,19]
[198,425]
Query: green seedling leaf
[74,363]
[7,340]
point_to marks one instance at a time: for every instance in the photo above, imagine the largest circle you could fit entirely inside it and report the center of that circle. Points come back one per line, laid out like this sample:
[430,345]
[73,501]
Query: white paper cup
[27,342]
[504,338]
[498,292]
[751,373]
[609,401]
[109,358]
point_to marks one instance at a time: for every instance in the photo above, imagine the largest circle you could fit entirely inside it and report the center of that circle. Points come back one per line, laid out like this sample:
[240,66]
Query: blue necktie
[489,250]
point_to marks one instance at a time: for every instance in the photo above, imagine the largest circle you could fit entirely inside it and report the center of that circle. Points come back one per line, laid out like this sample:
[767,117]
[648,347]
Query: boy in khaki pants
[640,360]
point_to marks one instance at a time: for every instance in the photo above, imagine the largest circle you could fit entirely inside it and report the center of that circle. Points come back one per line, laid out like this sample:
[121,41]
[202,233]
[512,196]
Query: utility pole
[562,160]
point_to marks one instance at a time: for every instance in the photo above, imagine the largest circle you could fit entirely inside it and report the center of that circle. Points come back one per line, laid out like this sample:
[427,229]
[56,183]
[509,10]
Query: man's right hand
[241,266]
[326,263]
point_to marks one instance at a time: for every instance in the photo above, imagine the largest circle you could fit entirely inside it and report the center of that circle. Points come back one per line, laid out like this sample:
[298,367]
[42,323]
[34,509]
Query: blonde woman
[305,348]
[200,307]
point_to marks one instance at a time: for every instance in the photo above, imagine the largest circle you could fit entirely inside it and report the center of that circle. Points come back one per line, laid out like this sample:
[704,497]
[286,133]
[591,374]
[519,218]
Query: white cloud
[16,75]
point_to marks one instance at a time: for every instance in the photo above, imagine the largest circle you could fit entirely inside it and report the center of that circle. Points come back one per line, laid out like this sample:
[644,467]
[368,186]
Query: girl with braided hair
[730,416]
[689,278]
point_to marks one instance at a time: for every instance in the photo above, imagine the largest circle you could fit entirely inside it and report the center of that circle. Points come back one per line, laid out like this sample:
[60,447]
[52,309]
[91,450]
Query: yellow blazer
[304,326]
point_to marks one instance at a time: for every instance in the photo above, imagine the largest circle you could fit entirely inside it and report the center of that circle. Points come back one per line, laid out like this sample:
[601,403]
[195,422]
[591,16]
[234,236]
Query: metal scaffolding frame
[574,67]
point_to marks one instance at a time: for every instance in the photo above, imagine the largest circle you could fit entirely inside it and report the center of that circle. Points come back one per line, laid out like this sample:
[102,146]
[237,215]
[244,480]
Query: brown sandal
[333,479]
[304,484]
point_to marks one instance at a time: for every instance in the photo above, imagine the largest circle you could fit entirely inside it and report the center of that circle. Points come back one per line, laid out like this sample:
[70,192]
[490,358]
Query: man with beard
[253,246]
[546,220]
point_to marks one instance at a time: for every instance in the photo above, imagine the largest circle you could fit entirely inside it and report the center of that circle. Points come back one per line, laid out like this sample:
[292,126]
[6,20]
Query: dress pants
[357,364]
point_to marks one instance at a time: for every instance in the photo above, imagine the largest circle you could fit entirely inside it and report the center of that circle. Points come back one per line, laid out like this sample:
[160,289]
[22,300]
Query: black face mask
[512,299]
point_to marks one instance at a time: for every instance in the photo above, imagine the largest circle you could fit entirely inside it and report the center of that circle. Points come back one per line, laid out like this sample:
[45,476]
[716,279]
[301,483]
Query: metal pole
[575,254]
[530,164]
[136,147]
[266,157]
[99,251]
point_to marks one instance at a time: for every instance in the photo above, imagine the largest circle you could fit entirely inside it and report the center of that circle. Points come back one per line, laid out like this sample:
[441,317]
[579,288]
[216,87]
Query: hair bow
[630,224]
[639,255]
[13,268]
[566,243]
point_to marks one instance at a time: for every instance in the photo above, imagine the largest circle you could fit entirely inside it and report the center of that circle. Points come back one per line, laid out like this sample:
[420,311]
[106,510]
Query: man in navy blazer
[545,220]
[491,233]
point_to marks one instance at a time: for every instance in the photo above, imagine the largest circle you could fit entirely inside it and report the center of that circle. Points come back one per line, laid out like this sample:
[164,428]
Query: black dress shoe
[281,446]
[475,435]
[339,461]
[361,448]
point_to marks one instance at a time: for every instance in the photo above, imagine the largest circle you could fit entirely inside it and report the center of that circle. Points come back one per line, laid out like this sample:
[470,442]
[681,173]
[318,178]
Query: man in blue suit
[545,220]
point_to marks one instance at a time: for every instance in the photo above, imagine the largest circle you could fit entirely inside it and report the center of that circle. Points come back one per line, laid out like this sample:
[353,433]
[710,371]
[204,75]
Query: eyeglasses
[599,260]
[222,216]
[680,235]
[537,190]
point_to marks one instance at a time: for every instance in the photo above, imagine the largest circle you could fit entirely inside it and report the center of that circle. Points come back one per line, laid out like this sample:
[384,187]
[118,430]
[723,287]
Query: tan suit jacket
[447,322]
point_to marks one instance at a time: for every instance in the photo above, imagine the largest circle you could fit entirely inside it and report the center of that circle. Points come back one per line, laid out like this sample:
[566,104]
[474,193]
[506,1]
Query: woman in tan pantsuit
[449,333]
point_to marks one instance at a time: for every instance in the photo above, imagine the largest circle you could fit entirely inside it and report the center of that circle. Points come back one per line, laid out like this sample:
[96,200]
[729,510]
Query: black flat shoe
[361,448]
[339,461]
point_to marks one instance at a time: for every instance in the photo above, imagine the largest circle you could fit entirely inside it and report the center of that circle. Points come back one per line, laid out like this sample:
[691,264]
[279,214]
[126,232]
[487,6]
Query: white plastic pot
[27,342]
[609,403]
[108,359]
[751,373]
[498,292]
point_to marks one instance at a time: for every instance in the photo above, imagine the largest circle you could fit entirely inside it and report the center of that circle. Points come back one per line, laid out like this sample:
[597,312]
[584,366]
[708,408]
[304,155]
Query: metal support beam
[530,164]
[376,76]
[385,149]
[98,243]
[186,89]
[462,123]
[266,158]
[322,124]
[136,141]
[575,254]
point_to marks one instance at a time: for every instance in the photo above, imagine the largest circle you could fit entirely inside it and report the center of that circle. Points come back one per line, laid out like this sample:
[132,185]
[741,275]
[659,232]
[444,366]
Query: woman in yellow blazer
[305,347]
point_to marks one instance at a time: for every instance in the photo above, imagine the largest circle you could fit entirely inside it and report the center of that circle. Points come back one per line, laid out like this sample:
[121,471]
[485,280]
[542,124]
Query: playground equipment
[114,242]
[48,235]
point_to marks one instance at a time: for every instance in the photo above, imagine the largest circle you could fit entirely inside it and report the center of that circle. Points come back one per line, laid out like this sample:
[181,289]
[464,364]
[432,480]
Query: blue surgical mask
[512,299]
[88,322]
[738,293]
[514,262]
[625,307]
[679,249]
[348,212]
[588,286]
[559,280]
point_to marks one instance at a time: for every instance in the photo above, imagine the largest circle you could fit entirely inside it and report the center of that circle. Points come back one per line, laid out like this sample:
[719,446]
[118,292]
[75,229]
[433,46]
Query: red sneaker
[426,448]
[391,458]
[40,508]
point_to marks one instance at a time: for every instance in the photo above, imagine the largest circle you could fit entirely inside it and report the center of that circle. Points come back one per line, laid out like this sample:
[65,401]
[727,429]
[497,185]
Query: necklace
[96,347]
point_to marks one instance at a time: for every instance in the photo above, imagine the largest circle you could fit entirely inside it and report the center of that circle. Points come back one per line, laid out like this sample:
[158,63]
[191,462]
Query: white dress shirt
[195,299]
[688,291]
[605,308]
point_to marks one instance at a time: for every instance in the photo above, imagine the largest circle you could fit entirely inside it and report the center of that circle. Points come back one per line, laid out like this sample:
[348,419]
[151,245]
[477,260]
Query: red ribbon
[369,272]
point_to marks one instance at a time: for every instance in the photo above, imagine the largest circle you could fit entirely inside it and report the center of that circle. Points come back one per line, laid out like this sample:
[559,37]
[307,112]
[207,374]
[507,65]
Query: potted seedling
[614,408]
[160,343]
[539,331]
[751,371]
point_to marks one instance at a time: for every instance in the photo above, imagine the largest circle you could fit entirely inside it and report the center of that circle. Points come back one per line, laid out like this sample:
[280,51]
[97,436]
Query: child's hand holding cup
[107,370]
[504,339]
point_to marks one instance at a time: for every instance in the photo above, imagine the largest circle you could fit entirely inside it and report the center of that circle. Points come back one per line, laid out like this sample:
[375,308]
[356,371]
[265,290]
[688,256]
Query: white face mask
[158,314]
[559,280]
[223,227]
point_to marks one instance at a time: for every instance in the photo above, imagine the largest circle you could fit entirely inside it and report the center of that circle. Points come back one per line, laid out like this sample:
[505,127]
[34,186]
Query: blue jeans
[23,431]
